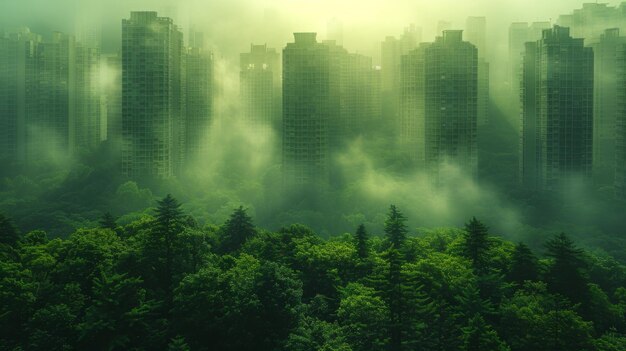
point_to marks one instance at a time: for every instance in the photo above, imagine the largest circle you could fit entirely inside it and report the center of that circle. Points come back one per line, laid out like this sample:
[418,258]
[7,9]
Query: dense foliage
[163,282]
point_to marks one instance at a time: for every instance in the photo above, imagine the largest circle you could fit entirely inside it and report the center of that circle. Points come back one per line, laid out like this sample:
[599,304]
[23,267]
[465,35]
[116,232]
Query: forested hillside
[163,282]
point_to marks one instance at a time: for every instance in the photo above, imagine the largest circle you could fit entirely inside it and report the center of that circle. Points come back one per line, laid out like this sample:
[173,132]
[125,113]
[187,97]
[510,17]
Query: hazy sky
[231,25]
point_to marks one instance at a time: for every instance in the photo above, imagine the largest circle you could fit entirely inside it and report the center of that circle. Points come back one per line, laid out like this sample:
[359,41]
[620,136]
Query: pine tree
[107,221]
[178,344]
[477,244]
[523,265]
[361,242]
[168,224]
[237,229]
[565,274]
[480,336]
[395,227]
[394,298]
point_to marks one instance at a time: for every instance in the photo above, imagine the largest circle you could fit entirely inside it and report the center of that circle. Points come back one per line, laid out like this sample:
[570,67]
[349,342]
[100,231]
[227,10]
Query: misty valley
[293,175]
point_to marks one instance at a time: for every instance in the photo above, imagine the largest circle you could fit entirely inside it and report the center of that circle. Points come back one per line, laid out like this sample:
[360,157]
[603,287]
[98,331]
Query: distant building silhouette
[392,50]
[18,88]
[259,82]
[476,33]
[557,118]
[153,113]
[620,126]
[50,131]
[439,104]
[199,90]
[605,104]
[519,34]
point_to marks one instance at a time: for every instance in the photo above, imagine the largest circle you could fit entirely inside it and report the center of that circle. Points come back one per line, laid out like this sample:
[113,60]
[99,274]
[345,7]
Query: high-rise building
[590,21]
[310,105]
[260,87]
[605,104]
[112,97]
[198,98]
[51,131]
[153,123]
[439,104]
[620,125]
[476,33]
[360,97]
[519,34]
[392,50]
[557,110]
[18,86]
[88,93]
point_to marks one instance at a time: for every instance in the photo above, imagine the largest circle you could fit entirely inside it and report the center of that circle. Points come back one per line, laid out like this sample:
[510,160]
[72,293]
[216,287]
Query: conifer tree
[361,242]
[395,227]
[237,229]
[565,274]
[107,221]
[477,244]
[523,265]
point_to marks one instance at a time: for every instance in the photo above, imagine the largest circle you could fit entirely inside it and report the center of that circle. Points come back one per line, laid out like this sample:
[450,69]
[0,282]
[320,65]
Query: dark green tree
[237,229]
[8,232]
[523,265]
[476,244]
[159,251]
[395,227]
[107,221]
[565,273]
[361,242]
[395,299]
[480,336]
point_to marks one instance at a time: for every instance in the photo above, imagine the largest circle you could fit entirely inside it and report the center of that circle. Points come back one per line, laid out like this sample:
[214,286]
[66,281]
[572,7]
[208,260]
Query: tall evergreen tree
[8,232]
[237,229]
[395,298]
[476,244]
[361,242]
[107,221]
[395,227]
[161,246]
[523,265]
[565,274]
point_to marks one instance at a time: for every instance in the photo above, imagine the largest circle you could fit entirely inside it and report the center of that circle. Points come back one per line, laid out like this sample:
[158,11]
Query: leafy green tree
[524,265]
[107,221]
[8,232]
[237,229]
[363,316]
[53,327]
[247,305]
[476,244]
[360,238]
[395,227]
[565,273]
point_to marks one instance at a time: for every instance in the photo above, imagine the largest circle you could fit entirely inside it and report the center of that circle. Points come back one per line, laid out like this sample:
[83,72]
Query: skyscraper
[152,96]
[18,67]
[392,50]
[519,34]
[439,98]
[620,125]
[51,131]
[310,105]
[557,117]
[605,104]
[476,33]
[260,83]
[198,97]
[87,124]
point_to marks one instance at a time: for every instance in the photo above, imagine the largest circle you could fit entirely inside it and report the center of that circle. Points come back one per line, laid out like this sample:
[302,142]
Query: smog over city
[312,142]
